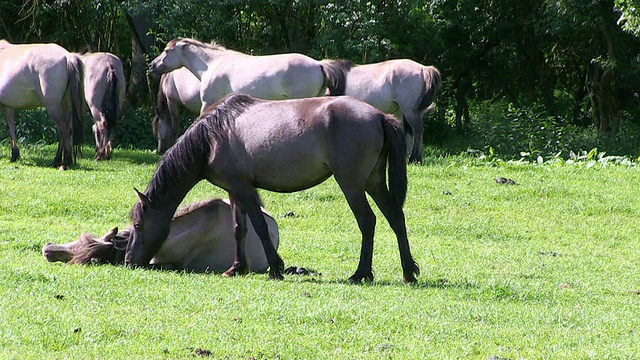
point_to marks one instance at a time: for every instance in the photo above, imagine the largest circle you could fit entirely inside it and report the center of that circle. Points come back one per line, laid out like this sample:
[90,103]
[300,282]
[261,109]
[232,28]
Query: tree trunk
[138,89]
[600,80]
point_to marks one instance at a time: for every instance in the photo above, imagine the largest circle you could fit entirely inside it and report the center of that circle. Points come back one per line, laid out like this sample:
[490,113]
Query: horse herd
[264,123]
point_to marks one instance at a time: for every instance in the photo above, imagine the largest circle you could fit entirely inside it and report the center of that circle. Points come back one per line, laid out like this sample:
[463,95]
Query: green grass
[548,268]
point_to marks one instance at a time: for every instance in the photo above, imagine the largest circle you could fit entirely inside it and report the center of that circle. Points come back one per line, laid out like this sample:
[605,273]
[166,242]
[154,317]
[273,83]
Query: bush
[133,129]
[510,132]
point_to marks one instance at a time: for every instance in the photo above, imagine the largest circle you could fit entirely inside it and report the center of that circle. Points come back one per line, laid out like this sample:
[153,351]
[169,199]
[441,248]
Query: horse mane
[213,45]
[192,149]
[90,250]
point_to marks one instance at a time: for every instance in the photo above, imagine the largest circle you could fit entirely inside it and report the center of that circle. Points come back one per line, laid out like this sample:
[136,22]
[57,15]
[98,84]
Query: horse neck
[198,64]
[170,184]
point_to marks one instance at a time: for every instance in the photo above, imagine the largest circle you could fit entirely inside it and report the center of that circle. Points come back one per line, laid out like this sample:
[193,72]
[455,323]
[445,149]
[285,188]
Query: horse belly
[20,98]
[293,170]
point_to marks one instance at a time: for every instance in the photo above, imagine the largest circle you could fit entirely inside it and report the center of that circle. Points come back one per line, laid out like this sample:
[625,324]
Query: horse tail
[112,99]
[396,155]
[162,105]
[76,87]
[335,75]
[432,85]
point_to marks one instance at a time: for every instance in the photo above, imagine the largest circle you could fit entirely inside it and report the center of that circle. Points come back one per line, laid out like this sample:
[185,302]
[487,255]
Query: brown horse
[33,75]
[245,143]
[200,239]
[400,87]
[179,91]
[104,90]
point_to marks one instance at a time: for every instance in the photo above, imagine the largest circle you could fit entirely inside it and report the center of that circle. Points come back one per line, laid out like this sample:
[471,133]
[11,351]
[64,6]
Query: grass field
[545,269]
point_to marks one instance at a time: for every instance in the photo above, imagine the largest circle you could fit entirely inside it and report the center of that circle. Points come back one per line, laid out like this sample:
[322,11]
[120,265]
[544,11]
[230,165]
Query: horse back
[273,77]
[290,145]
[32,75]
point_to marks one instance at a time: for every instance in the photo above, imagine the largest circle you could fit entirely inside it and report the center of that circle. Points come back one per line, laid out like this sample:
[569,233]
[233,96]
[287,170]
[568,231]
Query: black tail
[335,75]
[76,87]
[396,156]
[432,85]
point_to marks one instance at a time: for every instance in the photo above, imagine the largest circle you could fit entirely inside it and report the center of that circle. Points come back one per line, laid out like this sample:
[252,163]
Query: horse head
[171,58]
[109,248]
[149,231]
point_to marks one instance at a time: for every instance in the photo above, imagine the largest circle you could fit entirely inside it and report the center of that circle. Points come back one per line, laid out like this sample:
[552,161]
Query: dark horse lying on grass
[200,239]
[243,143]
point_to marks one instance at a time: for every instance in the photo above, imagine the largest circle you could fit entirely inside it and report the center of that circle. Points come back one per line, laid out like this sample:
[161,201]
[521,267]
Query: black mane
[191,151]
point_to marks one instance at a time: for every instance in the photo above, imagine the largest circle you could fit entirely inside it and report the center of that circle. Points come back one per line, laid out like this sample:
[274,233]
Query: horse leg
[366,219]
[395,216]
[100,133]
[250,202]
[10,118]
[415,122]
[63,155]
[239,218]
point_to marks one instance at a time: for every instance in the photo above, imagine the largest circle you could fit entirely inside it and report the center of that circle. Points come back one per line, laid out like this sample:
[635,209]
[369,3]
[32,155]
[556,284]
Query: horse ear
[109,235]
[142,197]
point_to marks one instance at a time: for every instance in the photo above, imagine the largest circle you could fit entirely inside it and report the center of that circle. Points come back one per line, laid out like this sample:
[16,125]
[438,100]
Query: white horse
[33,75]
[222,71]
[400,87]
[201,239]
[104,90]
[179,91]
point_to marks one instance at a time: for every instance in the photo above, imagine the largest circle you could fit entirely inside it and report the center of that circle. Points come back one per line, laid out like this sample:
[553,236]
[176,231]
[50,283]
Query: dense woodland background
[521,78]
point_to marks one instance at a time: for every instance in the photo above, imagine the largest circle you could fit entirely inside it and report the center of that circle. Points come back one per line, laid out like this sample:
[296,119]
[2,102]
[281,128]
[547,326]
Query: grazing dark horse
[104,90]
[33,75]
[244,143]
[179,90]
[201,239]
[400,87]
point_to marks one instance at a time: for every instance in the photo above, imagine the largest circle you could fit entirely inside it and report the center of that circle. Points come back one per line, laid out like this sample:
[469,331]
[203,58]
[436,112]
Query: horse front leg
[239,218]
[250,201]
[10,119]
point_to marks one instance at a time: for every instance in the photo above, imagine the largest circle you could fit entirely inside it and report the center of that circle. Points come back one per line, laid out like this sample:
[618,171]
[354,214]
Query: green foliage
[511,132]
[135,130]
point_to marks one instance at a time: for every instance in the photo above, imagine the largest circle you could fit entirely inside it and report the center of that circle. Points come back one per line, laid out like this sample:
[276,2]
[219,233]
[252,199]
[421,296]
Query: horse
[400,87]
[200,240]
[33,75]
[222,71]
[243,143]
[104,90]
[178,91]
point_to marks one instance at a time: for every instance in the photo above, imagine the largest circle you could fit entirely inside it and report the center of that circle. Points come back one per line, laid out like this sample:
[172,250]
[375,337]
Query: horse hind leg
[100,133]
[392,211]
[366,219]
[10,119]
[415,123]
[63,155]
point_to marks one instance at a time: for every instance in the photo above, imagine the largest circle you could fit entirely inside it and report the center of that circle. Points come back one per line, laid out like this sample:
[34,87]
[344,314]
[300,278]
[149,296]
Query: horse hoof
[409,279]
[275,275]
